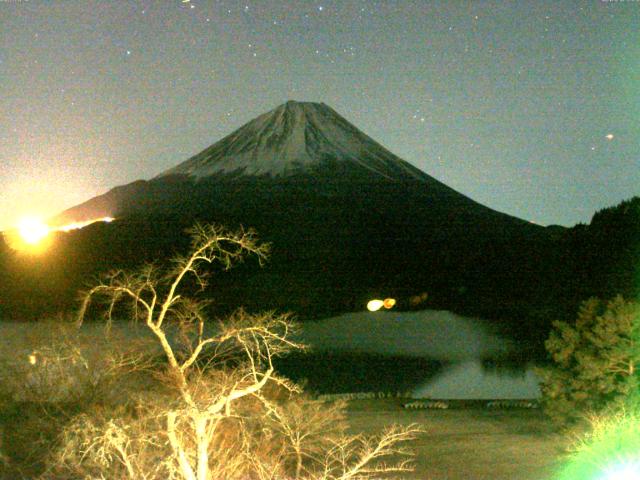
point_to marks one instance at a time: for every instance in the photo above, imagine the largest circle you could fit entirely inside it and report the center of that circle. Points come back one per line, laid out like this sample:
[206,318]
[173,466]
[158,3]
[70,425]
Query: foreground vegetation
[201,403]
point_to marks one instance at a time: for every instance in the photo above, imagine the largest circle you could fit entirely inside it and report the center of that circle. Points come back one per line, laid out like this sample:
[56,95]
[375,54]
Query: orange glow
[416,300]
[389,303]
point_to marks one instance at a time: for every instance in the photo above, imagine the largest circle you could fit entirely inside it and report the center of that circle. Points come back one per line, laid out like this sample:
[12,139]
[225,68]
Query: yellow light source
[32,230]
[375,305]
[33,236]
[389,303]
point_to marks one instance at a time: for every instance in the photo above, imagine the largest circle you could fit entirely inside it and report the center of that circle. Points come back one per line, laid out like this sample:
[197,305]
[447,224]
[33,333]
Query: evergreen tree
[595,360]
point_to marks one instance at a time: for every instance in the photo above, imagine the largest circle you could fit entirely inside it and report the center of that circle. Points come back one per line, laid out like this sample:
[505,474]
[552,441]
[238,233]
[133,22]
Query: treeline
[520,279]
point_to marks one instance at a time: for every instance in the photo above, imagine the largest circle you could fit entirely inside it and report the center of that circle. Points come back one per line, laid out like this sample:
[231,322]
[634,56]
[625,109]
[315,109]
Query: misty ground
[470,443]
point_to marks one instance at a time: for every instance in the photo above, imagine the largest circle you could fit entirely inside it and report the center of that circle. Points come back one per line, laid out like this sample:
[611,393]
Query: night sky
[529,107]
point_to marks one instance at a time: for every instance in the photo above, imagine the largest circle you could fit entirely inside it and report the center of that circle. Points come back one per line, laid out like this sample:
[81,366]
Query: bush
[594,361]
[49,373]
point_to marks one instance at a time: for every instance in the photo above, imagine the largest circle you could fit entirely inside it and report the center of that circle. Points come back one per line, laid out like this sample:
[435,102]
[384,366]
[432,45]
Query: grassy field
[459,444]
[469,443]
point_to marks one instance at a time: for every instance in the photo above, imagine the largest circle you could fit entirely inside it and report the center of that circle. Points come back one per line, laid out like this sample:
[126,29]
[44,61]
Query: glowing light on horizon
[32,230]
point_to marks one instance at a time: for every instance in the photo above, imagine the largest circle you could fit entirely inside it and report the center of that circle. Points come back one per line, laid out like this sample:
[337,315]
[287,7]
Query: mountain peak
[295,137]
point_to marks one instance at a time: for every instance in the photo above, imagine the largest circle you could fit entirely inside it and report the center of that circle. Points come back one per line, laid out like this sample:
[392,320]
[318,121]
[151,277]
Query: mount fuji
[298,143]
[347,219]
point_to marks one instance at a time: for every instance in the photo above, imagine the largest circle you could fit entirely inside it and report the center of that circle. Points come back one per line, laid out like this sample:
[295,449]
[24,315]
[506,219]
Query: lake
[431,354]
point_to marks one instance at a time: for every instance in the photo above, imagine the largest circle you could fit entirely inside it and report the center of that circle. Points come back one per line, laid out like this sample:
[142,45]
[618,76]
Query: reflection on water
[470,380]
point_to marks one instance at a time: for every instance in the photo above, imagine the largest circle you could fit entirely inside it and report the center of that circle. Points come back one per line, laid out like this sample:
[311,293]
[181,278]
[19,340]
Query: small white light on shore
[32,359]
[375,305]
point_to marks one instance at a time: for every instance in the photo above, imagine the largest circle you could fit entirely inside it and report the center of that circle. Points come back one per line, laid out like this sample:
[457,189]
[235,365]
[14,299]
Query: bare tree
[223,412]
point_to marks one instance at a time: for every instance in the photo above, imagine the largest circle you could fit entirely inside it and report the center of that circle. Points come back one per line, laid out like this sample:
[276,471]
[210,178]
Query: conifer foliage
[595,360]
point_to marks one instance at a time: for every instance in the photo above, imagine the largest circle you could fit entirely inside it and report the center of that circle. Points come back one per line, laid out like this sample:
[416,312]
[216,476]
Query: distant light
[416,300]
[609,136]
[32,230]
[32,359]
[389,303]
[375,305]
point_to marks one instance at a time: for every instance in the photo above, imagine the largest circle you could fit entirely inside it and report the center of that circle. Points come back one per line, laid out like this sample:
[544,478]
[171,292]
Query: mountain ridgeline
[348,220]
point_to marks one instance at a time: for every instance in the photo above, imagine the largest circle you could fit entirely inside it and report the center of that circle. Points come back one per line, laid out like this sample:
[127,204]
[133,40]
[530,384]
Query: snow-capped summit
[291,139]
